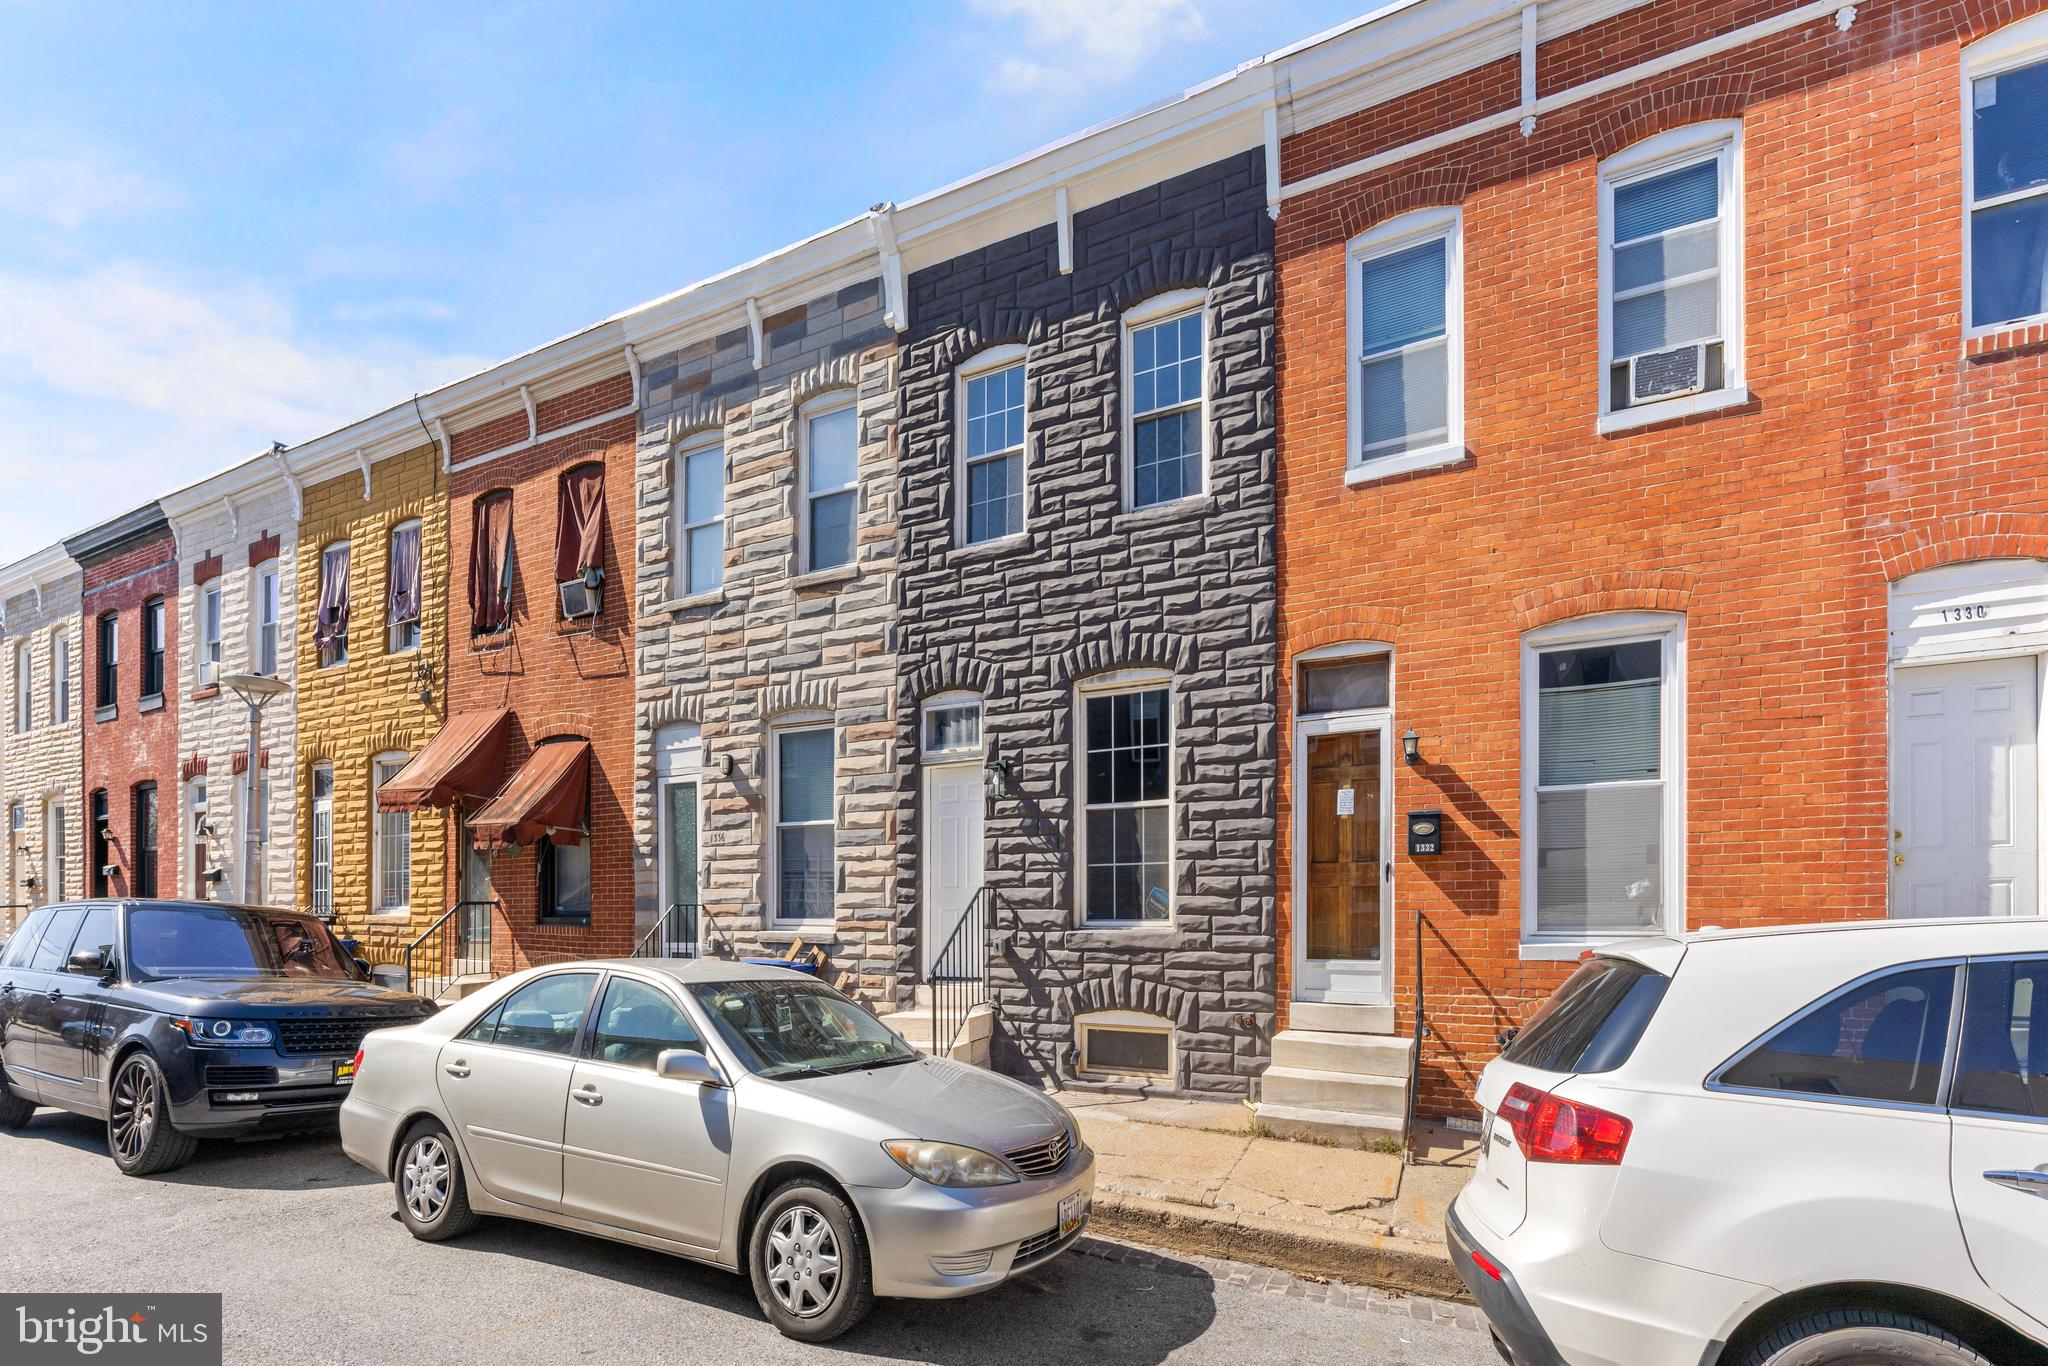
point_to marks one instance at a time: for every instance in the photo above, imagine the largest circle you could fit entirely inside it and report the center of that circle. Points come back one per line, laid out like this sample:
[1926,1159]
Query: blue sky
[222,226]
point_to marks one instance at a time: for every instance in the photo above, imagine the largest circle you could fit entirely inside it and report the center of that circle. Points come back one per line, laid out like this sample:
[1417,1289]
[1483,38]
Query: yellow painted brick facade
[370,705]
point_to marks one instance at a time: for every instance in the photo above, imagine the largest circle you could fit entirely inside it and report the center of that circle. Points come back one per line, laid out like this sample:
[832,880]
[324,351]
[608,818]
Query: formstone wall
[42,766]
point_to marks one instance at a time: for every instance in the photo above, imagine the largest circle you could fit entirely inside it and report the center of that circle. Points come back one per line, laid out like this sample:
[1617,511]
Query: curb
[1358,1259]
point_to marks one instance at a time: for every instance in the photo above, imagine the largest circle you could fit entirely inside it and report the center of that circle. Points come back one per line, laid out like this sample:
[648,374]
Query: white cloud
[1072,41]
[402,309]
[70,187]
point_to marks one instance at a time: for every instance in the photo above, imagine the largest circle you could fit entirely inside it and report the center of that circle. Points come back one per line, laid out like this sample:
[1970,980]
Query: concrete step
[1326,1017]
[1344,1128]
[972,1044]
[1345,1091]
[1370,1055]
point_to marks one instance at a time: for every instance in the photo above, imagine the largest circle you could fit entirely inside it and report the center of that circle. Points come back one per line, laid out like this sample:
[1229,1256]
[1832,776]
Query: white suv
[1823,1144]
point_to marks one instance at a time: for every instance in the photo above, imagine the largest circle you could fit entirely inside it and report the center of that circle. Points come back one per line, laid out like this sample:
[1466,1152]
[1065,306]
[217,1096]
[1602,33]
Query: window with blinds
[831,483]
[806,867]
[1600,798]
[2008,195]
[1404,377]
[1668,240]
[700,513]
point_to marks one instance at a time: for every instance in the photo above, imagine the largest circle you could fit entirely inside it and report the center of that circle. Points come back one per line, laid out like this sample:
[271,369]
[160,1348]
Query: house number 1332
[1974,612]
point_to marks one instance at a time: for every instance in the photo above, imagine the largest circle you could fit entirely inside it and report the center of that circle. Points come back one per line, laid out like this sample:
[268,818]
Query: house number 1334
[1974,612]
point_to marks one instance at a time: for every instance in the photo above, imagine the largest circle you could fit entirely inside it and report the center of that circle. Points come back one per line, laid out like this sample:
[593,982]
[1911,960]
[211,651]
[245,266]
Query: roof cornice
[117,533]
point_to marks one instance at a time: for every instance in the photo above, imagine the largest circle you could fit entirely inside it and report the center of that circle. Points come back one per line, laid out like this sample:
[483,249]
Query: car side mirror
[362,969]
[686,1064]
[87,963]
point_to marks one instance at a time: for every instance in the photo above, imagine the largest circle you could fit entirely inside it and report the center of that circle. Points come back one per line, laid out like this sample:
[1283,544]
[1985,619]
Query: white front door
[1343,935]
[1966,789]
[953,854]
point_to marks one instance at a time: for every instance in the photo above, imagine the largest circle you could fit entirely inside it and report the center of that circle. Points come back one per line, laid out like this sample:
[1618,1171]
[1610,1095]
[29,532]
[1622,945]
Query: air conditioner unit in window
[580,599]
[1674,373]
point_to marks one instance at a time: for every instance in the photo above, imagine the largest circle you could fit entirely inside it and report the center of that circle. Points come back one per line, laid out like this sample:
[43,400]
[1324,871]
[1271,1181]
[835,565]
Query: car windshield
[798,1028]
[232,941]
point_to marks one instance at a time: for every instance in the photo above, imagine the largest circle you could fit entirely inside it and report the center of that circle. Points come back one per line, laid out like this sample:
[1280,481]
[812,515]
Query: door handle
[54,994]
[2032,1183]
[456,1069]
[590,1095]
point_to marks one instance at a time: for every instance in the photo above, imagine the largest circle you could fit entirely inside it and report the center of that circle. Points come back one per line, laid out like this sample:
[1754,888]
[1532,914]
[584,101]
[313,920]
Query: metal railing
[1421,1033]
[456,946]
[685,930]
[959,975]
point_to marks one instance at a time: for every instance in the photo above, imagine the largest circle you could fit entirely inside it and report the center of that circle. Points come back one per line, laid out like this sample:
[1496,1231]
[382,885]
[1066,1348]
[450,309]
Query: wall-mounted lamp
[110,870]
[1411,746]
[722,766]
[423,674]
[995,779]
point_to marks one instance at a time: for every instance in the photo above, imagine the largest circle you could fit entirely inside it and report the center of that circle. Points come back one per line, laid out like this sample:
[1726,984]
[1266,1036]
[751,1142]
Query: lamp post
[256,691]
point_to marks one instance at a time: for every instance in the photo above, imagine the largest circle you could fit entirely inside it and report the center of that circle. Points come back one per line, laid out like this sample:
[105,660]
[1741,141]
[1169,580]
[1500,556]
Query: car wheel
[808,1260]
[1862,1337]
[432,1197]
[139,1132]
[14,1111]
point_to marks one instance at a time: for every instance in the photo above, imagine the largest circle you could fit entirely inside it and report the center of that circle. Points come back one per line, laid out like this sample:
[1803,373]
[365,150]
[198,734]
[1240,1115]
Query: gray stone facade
[774,644]
[1091,588]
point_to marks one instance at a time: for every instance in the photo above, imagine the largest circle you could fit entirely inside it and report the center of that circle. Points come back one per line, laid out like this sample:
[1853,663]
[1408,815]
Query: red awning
[465,760]
[546,799]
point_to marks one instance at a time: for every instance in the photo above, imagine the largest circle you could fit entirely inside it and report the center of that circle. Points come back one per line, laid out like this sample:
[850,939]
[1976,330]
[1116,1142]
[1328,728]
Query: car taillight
[1549,1128]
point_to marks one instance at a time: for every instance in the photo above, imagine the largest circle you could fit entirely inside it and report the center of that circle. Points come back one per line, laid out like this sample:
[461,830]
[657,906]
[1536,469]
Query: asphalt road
[315,1267]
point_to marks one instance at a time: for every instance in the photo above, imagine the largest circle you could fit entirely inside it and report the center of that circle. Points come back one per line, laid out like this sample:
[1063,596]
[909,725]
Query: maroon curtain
[490,594]
[330,625]
[579,523]
[405,574]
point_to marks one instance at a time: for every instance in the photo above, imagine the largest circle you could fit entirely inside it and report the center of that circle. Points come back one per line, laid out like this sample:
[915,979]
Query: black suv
[176,1021]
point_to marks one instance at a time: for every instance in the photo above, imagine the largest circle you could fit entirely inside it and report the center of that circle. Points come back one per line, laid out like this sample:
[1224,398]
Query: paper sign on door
[1347,801]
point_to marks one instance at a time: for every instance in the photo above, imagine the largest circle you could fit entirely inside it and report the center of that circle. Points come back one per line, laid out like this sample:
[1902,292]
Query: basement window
[1125,1044]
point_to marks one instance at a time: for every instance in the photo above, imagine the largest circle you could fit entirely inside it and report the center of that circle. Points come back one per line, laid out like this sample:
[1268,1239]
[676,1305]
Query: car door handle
[2033,1183]
[456,1069]
[589,1095]
[55,994]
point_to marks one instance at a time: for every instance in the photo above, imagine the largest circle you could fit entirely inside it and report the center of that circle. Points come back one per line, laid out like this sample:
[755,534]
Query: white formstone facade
[41,774]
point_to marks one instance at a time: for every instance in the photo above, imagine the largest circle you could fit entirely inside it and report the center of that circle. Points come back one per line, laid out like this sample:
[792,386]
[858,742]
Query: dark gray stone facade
[1090,588]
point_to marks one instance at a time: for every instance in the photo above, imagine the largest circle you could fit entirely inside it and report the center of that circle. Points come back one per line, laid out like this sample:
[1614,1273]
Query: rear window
[1593,1021]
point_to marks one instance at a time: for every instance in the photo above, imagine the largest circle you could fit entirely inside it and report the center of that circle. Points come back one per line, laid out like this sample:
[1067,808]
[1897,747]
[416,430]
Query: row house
[129,755]
[237,543]
[41,754]
[1663,540]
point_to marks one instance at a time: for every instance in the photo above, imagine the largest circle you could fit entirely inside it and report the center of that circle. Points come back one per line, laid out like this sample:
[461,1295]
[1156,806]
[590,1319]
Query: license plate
[344,1071]
[1073,1210]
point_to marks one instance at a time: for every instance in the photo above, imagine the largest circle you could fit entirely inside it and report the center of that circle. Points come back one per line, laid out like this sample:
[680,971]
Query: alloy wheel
[134,1111]
[425,1179]
[803,1261]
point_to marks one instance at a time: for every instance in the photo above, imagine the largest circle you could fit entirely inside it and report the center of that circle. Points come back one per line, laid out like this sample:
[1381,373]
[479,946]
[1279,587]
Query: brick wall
[350,713]
[1871,444]
[1090,588]
[43,765]
[125,745]
[772,642]
[558,678]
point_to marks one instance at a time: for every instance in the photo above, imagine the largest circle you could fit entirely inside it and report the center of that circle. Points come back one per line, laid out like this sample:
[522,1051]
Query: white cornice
[34,572]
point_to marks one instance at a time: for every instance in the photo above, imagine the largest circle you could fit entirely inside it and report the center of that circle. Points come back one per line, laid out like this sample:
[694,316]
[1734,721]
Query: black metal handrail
[959,975]
[685,930]
[1421,1033]
[457,945]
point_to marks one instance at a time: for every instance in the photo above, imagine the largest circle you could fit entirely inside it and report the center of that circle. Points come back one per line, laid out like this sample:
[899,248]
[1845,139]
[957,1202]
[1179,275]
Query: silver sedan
[749,1117]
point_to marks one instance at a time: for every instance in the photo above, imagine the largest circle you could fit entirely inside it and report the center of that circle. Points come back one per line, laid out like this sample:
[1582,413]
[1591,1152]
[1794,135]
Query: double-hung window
[1127,818]
[1603,745]
[145,836]
[269,604]
[830,485]
[806,862]
[992,455]
[700,520]
[24,687]
[330,617]
[209,633]
[323,840]
[1671,275]
[107,683]
[1167,364]
[2006,139]
[391,851]
[153,648]
[1407,337]
[402,593]
[60,678]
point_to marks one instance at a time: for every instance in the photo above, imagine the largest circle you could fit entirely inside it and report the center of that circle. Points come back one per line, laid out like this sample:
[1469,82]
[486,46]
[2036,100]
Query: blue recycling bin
[796,965]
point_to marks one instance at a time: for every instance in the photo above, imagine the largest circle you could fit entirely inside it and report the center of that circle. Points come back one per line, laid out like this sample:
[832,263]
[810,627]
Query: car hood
[273,997]
[944,1100]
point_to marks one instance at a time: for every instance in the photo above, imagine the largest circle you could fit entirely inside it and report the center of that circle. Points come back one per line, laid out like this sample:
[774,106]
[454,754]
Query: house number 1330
[1974,612]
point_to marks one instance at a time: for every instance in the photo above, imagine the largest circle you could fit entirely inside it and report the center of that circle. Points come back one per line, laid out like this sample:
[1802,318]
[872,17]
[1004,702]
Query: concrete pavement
[316,1268]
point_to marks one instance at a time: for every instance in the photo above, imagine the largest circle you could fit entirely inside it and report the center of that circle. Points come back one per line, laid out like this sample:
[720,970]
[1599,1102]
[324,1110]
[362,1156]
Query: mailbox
[1425,834]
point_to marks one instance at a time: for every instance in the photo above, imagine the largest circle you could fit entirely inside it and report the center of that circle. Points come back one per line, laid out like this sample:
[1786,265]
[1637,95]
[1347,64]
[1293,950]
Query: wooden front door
[1343,841]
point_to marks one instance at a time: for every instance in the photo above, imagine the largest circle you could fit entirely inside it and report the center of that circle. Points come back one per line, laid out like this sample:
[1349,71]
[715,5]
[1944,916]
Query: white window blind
[1404,358]
[1667,260]
[829,493]
[702,515]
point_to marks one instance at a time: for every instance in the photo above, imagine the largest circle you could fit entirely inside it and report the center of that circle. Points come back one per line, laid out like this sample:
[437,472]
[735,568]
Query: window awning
[545,800]
[464,760]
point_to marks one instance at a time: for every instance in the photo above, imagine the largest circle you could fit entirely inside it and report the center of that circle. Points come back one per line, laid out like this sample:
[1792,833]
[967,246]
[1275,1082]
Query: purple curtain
[330,627]
[405,574]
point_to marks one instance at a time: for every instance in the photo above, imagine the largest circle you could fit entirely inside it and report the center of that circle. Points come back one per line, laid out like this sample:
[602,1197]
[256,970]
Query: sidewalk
[1198,1176]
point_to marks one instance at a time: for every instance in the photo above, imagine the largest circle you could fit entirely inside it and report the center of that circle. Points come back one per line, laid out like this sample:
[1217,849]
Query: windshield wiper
[872,1063]
[797,1069]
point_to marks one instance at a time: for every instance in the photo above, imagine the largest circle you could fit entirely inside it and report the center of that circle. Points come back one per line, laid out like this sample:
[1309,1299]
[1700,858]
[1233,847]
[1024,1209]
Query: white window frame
[1395,235]
[209,617]
[824,405]
[24,687]
[320,865]
[2023,43]
[981,366]
[678,476]
[951,701]
[396,759]
[801,723]
[1126,1021]
[265,574]
[1161,308]
[60,677]
[57,850]
[1106,685]
[1720,139]
[1609,628]
[392,626]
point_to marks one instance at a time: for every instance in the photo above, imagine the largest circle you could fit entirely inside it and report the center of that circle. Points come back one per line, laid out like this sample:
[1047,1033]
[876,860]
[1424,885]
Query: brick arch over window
[1724,95]
[1164,269]
[1121,990]
[1342,626]
[1627,590]
[993,325]
[953,671]
[1954,540]
[1428,185]
[1125,648]
[559,725]
[811,694]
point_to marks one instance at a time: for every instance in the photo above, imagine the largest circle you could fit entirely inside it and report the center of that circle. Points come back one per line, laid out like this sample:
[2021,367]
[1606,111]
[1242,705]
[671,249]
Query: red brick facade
[1874,443]
[125,745]
[558,678]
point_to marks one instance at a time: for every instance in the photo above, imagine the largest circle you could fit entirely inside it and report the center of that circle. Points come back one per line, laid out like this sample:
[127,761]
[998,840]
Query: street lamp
[256,691]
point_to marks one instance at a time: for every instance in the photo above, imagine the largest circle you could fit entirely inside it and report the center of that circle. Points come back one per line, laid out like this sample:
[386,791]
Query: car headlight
[226,1033]
[948,1164]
